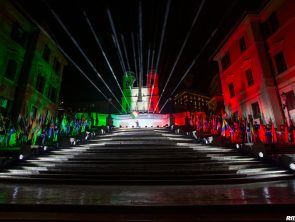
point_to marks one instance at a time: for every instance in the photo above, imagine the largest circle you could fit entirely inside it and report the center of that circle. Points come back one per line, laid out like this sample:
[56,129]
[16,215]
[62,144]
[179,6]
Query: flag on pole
[225,127]
[274,134]
[286,134]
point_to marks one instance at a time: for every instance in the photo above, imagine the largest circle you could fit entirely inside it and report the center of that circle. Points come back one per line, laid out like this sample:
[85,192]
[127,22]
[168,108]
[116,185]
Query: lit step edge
[54,158]
[35,168]
[221,158]
[245,166]
[268,176]
[41,163]
[22,172]
[171,135]
[212,150]
[260,171]
[68,151]
[180,139]
[97,144]
[226,155]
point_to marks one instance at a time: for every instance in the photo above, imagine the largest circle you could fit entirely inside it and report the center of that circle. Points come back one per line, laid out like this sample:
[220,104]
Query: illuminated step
[188,145]
[41,163]
[97,144]
[66,151]
[232,158]
[35,168]
[101,139]
[271,176]
[119,138]
[266,171]
[21,172]
[213,150]
[171,135]
[180,139]
[149,142]
[57,158]
[220,154]
[252,165]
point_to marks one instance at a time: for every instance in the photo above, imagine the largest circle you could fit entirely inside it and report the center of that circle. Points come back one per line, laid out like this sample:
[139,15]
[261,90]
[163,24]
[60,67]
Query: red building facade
[256,64]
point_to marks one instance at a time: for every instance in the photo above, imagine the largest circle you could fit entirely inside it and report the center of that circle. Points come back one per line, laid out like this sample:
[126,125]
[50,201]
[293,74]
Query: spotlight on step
[205,141]
[292,166]
[45,148]
[288,161]
[261,150]
[21,157]
[210,139]
[72,141]
[238,146]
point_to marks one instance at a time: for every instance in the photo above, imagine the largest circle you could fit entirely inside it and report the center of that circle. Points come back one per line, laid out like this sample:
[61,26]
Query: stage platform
[141,120]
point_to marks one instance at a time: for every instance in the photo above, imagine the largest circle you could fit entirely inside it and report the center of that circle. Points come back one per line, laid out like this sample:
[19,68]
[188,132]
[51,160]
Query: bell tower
[152,84]
[128,81]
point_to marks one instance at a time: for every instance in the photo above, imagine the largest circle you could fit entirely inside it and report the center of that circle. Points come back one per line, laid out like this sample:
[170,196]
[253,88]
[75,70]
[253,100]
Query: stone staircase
[144,156]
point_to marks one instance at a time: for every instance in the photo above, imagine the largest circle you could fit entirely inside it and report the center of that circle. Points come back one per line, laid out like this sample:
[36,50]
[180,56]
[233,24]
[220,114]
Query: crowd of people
[41,131]
[244,130]
[49,130]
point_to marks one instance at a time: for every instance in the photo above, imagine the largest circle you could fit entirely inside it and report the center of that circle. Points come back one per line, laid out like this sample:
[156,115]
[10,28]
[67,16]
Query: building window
[270,25]
[18,34]
[56,65]
[255,110]
[11,69]
[242,43]
[3,102]
[5,106]
[46,53]
[231,90]
[52,94]
[249,76]
[225,61]
[280,62]
[40,83]
[290,101]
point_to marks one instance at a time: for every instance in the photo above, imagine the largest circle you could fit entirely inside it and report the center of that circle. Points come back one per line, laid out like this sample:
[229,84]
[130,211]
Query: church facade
[140,98]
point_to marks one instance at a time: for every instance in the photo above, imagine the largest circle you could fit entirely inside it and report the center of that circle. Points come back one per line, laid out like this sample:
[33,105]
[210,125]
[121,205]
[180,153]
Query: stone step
[138,171]
[137,143]
[143,155]
[126,177]
[141,138]
[145,181]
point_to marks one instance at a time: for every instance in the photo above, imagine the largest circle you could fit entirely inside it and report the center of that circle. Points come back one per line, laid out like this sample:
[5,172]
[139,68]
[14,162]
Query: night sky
[214,15]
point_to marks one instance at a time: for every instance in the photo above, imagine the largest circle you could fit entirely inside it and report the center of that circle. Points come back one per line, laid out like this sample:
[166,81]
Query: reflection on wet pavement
[279,192]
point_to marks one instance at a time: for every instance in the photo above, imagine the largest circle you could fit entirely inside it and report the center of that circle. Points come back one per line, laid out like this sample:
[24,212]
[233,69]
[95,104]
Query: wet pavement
[276,192]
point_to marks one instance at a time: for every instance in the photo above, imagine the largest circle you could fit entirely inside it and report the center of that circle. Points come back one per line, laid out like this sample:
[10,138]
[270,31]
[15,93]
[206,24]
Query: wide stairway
[144,156]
